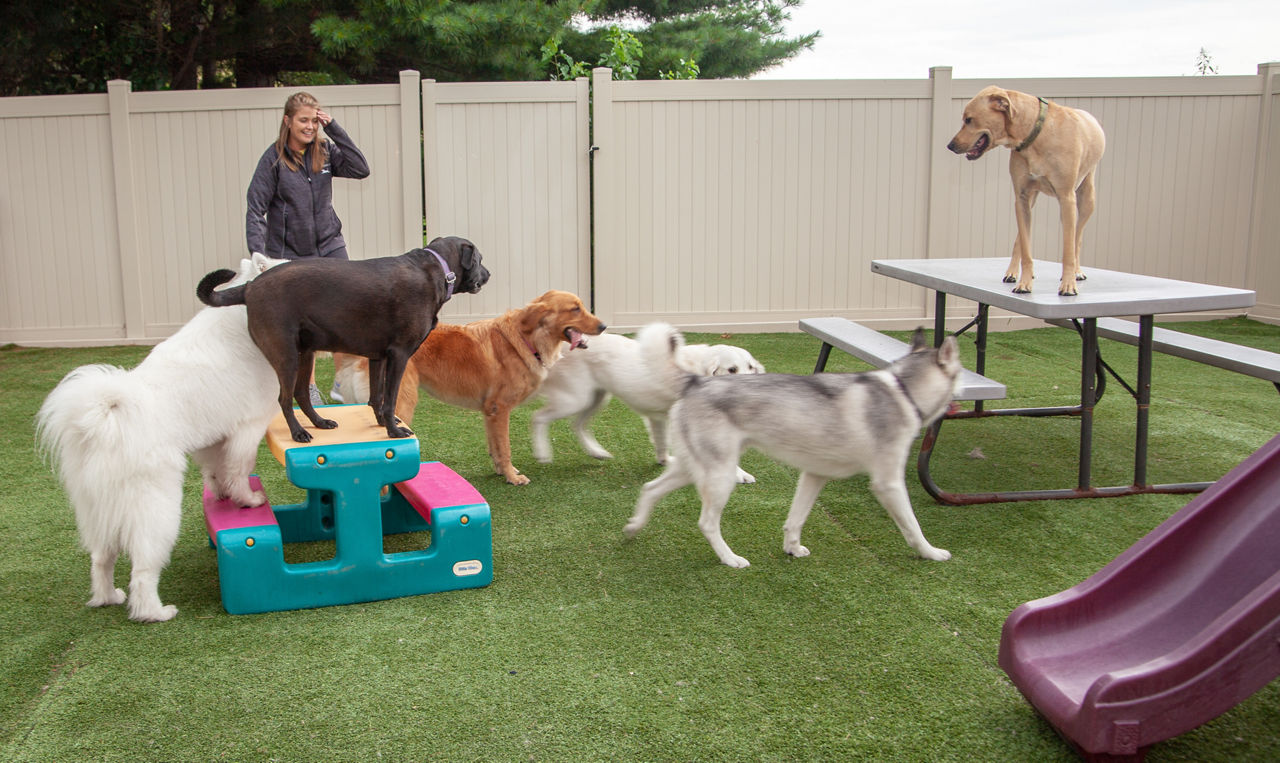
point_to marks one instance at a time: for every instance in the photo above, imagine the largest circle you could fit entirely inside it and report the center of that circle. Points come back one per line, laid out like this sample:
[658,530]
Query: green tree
[77,46]
[623,57]
[52,48]
[447,40]
[727,39]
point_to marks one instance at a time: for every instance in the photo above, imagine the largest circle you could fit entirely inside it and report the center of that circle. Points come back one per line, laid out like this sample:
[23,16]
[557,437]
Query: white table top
[1104,293]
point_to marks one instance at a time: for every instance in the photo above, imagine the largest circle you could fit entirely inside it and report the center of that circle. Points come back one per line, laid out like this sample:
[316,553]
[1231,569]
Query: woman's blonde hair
[320,154]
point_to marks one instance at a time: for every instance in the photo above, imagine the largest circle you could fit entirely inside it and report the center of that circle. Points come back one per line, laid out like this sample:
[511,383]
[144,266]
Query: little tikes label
[467,568]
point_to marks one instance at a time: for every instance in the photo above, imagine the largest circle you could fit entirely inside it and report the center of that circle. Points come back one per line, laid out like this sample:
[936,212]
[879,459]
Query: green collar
[1035,131]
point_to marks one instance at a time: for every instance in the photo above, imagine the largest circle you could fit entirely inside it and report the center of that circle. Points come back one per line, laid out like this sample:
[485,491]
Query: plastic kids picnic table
[360,486]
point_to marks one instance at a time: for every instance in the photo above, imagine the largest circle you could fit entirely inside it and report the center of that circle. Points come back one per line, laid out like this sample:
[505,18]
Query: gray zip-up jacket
[291,213]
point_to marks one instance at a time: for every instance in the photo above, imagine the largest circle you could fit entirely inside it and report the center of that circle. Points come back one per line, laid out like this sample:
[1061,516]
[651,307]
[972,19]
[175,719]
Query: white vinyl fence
[740,205]
[757,203]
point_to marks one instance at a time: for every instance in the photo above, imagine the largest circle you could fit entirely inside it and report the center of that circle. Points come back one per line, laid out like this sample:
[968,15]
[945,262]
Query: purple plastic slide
[1173,632]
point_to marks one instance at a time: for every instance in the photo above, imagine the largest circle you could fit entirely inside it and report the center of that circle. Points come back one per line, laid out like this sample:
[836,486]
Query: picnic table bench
[1214,352]
[871,346]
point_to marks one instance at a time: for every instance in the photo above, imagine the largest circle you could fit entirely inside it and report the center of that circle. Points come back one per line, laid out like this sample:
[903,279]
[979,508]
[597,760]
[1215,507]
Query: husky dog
[119,441]
[647,373]
[830,426]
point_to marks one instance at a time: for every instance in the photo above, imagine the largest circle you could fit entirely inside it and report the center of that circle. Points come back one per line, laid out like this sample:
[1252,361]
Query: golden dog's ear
[533,315]
[1000,102]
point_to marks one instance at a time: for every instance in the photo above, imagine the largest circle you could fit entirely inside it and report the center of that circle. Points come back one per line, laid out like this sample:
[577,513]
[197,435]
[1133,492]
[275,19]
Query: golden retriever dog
[1054,150]
[491,365]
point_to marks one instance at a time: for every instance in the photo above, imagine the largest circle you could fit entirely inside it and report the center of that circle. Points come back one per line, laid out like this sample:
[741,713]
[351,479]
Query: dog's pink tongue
[576,340]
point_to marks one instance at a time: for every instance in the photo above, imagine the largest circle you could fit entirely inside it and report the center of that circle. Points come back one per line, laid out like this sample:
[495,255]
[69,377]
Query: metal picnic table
[1105,293]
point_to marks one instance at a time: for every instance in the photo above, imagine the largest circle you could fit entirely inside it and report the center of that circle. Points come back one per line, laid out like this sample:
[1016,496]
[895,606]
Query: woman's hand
[324,117]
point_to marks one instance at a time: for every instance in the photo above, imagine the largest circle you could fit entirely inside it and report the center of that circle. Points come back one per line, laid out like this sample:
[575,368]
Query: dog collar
[1035,131]
[537,355]
[907,395]
[449,276]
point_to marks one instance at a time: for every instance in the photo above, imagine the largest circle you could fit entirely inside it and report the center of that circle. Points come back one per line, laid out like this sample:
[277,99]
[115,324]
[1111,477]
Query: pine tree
[75,47]
[725,39]
[446,40]
[502,39]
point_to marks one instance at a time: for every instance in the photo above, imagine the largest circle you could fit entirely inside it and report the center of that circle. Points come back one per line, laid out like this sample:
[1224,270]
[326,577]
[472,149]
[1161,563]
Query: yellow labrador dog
[1054,150]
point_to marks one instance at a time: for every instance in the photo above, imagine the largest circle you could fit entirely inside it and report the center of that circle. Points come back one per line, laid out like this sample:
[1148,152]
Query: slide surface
[1176,630]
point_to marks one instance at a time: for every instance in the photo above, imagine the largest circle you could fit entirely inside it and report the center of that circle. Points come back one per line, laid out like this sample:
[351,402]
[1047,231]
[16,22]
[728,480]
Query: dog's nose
[953,148]
[601,328]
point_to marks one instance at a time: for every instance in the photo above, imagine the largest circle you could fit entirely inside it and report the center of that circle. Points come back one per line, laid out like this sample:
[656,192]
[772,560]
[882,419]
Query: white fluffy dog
[119,441]
[647,373]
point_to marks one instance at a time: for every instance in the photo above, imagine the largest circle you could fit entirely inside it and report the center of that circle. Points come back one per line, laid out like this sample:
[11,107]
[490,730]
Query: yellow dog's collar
[1035,131]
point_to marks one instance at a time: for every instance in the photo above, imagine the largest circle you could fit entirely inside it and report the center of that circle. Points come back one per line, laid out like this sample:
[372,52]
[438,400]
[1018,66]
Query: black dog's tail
[205,291]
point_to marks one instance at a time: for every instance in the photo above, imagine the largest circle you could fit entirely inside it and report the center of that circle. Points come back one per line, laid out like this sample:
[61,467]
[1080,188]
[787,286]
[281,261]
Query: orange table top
[356,423]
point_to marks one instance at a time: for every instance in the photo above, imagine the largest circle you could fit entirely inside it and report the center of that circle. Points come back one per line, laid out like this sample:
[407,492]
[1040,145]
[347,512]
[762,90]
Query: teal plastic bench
[349,484]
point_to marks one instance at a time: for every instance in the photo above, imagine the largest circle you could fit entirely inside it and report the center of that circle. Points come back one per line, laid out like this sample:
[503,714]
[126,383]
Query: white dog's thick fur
[119,441]
[647,373]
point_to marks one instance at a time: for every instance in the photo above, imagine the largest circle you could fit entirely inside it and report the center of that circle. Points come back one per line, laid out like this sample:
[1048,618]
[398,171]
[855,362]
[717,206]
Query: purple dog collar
[449,276]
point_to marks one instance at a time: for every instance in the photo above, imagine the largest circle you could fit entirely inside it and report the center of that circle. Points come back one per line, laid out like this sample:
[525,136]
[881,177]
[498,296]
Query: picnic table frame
[1105,293]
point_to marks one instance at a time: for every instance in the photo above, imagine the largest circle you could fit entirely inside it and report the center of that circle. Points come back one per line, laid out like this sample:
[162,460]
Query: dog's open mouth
[979,147]
[577,340]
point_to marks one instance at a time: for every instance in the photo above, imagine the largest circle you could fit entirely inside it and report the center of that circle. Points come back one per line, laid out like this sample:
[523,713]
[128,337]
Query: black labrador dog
[380,308]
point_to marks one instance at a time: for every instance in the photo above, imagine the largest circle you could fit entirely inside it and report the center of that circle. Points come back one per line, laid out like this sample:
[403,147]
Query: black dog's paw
[327,424]
[300,435]
[395,431]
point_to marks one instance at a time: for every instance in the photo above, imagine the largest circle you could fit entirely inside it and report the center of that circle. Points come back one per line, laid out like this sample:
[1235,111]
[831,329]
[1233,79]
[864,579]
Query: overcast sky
[992,39]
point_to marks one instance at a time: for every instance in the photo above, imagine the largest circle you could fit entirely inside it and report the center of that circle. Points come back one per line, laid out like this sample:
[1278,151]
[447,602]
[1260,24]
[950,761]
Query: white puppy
[119,441]
[647,373]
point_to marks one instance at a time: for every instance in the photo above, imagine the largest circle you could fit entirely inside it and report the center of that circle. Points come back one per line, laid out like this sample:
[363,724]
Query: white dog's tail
[82,415]
[659,344]
[88,430]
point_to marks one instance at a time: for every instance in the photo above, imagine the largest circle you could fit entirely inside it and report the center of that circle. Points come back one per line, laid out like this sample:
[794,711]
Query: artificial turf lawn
[586,647]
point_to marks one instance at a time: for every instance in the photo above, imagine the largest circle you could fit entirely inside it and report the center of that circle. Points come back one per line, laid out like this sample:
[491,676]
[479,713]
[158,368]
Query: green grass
[589,648]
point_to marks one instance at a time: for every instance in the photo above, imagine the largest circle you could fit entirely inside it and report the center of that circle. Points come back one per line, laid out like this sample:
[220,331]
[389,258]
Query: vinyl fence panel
[507,166]
[733,205]
[130,198]
[720,204]
[60,274]
[730,203]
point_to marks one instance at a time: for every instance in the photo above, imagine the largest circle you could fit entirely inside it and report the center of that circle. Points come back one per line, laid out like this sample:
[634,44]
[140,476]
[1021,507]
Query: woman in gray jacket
[291,195]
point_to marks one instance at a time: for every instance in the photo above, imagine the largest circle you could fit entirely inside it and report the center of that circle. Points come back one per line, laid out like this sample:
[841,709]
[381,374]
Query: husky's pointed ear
[917,339]
[949,352]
